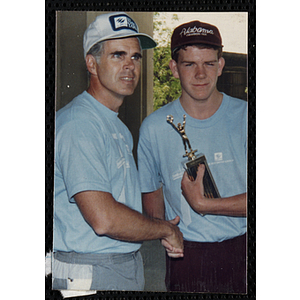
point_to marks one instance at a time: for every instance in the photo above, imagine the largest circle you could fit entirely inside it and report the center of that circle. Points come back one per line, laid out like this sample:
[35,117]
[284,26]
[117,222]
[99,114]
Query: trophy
[193,161]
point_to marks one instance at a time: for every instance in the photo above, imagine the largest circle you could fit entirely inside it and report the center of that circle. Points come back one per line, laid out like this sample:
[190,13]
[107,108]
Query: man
[98,225]
[214,230]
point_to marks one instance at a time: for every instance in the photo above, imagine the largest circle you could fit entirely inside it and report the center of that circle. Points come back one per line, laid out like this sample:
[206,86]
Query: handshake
[173,242]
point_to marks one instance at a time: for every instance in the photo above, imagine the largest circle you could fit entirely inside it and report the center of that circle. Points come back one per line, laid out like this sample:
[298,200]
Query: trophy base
[210,187]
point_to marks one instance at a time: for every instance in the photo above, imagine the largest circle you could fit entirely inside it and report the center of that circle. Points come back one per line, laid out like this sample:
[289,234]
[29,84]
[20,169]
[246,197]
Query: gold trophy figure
[191,165]
[181,130]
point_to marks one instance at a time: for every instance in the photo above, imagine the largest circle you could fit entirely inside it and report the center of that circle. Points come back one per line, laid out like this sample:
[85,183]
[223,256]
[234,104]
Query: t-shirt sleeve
[148,169]
[81,157]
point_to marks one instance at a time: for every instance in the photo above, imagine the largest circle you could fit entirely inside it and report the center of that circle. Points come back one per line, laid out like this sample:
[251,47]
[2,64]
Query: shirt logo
[218,156]
[120,22]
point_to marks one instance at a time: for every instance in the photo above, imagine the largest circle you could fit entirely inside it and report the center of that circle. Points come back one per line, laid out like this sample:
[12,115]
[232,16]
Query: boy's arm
[193,192]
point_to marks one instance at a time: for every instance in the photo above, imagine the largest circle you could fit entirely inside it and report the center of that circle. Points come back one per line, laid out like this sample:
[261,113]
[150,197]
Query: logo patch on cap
[120,22]
[195,31]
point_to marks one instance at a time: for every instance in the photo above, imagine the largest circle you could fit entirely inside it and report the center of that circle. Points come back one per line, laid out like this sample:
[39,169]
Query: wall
[234,78]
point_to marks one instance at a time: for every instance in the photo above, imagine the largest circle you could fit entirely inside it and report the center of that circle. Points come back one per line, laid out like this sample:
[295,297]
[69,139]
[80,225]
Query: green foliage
[166,87]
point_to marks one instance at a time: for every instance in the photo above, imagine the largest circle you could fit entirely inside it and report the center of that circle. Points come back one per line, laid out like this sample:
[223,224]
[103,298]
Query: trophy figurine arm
[193,191]
[170,119]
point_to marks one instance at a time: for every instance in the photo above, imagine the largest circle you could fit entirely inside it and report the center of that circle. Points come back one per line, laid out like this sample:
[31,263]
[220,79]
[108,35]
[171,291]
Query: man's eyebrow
[119,52]
[137,54]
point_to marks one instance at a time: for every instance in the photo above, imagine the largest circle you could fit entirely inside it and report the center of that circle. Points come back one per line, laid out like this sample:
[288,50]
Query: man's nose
[129,63]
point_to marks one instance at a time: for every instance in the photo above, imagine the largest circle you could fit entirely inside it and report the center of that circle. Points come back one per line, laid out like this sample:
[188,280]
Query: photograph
[140,160]
[150,152]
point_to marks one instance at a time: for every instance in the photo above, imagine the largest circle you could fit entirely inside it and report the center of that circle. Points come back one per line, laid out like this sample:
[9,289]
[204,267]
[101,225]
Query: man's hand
[174,242]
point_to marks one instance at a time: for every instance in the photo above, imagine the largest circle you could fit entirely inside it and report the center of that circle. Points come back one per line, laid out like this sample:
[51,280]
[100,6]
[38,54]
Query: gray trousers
[76,271]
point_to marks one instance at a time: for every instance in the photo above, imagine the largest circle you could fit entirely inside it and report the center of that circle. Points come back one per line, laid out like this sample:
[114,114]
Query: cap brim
[146,41]
[193,43]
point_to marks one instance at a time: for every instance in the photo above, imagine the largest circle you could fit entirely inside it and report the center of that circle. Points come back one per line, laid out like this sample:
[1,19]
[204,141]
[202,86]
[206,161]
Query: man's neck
[202,109]
[113,103]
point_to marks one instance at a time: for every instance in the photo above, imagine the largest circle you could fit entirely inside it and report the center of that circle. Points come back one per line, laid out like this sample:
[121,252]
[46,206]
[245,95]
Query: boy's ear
[91,64]
[173,67]
[221,65]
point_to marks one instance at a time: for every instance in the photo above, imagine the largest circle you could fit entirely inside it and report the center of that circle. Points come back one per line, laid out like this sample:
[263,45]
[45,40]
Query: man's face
[120,67]
[198,71]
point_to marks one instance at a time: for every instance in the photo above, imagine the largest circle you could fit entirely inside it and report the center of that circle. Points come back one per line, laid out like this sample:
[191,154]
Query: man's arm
[193,192]
[153,204]
[108,217]
[154,207]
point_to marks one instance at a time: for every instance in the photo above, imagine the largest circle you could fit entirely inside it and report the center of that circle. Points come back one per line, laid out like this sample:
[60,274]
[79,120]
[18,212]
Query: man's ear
[173,67]
[91,64]
[221,65]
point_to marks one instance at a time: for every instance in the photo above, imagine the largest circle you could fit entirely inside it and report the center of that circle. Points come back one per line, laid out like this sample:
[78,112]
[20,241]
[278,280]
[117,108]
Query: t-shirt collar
[100,107]
[203,123]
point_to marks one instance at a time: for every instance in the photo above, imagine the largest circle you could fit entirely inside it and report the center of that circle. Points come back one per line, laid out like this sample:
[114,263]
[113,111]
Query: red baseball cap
[195,32]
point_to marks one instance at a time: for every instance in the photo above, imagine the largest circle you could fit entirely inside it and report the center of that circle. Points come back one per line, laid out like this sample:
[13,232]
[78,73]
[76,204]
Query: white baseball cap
[114,26]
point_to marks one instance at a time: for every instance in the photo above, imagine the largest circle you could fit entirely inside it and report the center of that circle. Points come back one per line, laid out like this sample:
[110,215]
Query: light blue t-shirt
[222,138]
[93,151]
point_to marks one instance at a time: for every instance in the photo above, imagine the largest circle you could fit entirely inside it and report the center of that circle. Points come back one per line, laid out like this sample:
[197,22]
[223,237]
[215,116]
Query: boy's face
[198,71]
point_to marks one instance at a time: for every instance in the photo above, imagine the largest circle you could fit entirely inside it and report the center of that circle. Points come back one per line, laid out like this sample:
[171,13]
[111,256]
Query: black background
[173,6]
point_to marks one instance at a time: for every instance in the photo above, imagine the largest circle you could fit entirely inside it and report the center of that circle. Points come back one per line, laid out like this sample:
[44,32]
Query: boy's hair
[200,46]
